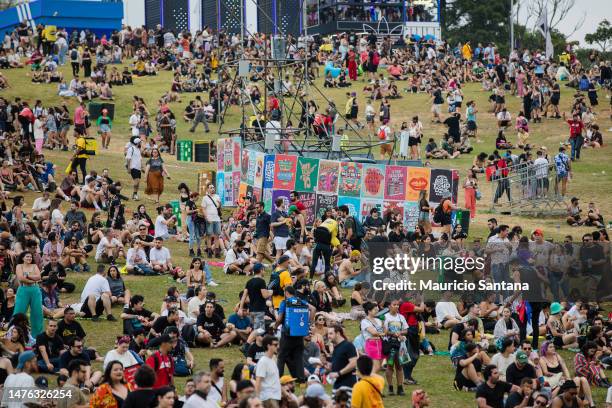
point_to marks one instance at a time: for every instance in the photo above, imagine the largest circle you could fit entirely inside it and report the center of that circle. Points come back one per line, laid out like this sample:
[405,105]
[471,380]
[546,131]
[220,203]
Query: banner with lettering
[353,204]
[221,186]
[228,195]
[395,183]
[267,199]
[441,184]
[328,177]
[268,172]
[324,202]
[396,207]
[276,194]
[411,215]
[259,169]
[284,171]
[373,181]
[307,174]
[367,205]
[350,179]
[418,181]
[310,202]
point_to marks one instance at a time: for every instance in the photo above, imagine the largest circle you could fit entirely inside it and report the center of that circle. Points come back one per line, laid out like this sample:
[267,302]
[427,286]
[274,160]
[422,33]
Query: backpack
[296,318]
[274,284]
[375,58]
[584,84]
[439,214]
[74,55]
[359,229]
[382,135]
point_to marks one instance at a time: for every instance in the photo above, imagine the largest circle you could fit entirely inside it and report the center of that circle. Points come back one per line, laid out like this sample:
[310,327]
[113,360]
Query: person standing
[267,383]
[326,238]
[162,363]
[280,228]
[200,116]
[133,157]
[368,391]
[291,347]
[211,208]
[154,173]
[343,359]
[257,292]
[576,140]
[563,166]
[105,124]
[262,232]
[470,189]
[79,160]
[28,293]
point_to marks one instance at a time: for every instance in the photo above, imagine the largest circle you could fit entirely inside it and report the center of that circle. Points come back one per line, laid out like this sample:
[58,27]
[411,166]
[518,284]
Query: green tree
[477,21]
[534,40]
[602,37]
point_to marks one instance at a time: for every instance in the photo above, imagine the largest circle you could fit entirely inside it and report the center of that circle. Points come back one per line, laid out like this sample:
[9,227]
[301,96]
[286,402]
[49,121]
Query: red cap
[538,231]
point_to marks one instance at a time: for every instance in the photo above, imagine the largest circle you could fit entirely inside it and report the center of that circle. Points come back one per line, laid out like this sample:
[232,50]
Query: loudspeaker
[201,152]
[95,110]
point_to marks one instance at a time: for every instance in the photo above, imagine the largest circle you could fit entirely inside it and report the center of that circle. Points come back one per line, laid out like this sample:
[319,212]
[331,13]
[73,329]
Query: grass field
[592,181]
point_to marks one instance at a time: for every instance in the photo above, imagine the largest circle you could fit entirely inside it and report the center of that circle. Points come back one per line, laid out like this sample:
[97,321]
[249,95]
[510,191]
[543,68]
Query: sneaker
[212,283]
[391,392]
[400,390]
[111,318]
[95,318]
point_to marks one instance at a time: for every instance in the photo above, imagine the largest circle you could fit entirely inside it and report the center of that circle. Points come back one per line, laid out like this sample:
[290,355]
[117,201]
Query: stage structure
[311,137]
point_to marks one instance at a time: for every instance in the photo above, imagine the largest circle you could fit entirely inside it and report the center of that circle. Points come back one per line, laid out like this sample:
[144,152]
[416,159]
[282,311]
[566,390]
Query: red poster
[285,167]
[395,182]
[373,181]
[396,207]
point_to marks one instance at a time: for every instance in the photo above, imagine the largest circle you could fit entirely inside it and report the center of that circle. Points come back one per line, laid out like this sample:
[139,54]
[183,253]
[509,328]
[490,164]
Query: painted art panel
[367,205]
[284,172]
[267,199]
[441,184]
[228,195]
[242,192]
[236,150]
[220,154]
[259,170]
[221,186]
[228,155]
[396,207]
[395,183]
[325,201]
[411,215]
[307,174]
[353,204]
[350,179]
[235,187]
[310,202]
[268,171]
[244,168]
[276,194]
[256,194]
[328,177]
[373,181]
[455,188]
[418,180]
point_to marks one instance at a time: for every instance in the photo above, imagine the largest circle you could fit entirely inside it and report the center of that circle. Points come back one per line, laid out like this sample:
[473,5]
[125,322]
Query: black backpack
[274,284]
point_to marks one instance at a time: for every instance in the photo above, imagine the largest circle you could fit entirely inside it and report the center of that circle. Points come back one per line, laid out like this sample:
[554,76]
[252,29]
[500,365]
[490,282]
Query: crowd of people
[295,274]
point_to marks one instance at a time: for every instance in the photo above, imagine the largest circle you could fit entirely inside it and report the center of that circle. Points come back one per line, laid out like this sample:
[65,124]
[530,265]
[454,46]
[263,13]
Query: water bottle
[246,373]
[391,359]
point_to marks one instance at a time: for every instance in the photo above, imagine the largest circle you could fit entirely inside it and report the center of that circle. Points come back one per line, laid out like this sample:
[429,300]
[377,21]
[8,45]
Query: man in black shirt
[145,239]
[453,124]
[521,397]
[137,317]
[137,344]
[162,322]
[55,270]
[343,360]
[262,232]
[257,292]
[592,259]
[256,350]
[68,327]
[521,369]
[49,346]
[76,351]
[490,394]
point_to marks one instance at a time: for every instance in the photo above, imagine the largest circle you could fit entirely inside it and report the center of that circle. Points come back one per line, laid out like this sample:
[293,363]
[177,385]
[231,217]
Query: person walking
[154,173]
[105,124]
[470,190]
[200,116]
[29,294]
[267,378]
[133,157]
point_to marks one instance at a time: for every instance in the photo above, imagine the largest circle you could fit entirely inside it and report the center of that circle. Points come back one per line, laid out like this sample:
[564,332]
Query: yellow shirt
[81,144]
[466,51]
[285,280]
[332,226]
[49,33]
[365,396]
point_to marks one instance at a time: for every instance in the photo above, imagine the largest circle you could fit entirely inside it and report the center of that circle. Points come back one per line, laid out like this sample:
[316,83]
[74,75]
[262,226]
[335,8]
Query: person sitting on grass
[109,248]
[432,151]
[212,332]
[160,257]
[501,142]
[237,260]
[96,296]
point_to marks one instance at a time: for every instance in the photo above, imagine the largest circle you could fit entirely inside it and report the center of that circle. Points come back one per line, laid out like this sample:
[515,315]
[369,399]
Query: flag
[542,27]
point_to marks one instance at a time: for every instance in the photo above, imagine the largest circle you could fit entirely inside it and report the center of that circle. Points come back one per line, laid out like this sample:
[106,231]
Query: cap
[24,358]
[171,299]
[538,231]
[292,209]
[258,267]
[41,382]
[555,308]
[136,141]
[164,338]
[355,253]
[317,391]
[286,379]
[521,357]
[283,259]
[260,332]
[314,378]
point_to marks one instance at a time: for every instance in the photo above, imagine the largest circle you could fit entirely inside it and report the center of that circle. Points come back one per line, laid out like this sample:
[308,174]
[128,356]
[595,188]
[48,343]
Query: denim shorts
[213,228]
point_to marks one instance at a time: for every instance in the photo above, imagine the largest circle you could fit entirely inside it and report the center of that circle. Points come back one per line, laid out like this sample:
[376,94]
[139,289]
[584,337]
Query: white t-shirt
[446,309]
[57,217]
[161,228]
[103,244]
[135,256]
[40,204]
[96,285]
[193,307]
[210,211]
[502,363]
[17,381]
[267,370]
[134,156]
[609,396]
[133,121]
[232,257]
[305,256]
[395,324]
[541,167]
[161,255]
[213,394]
[39,132]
